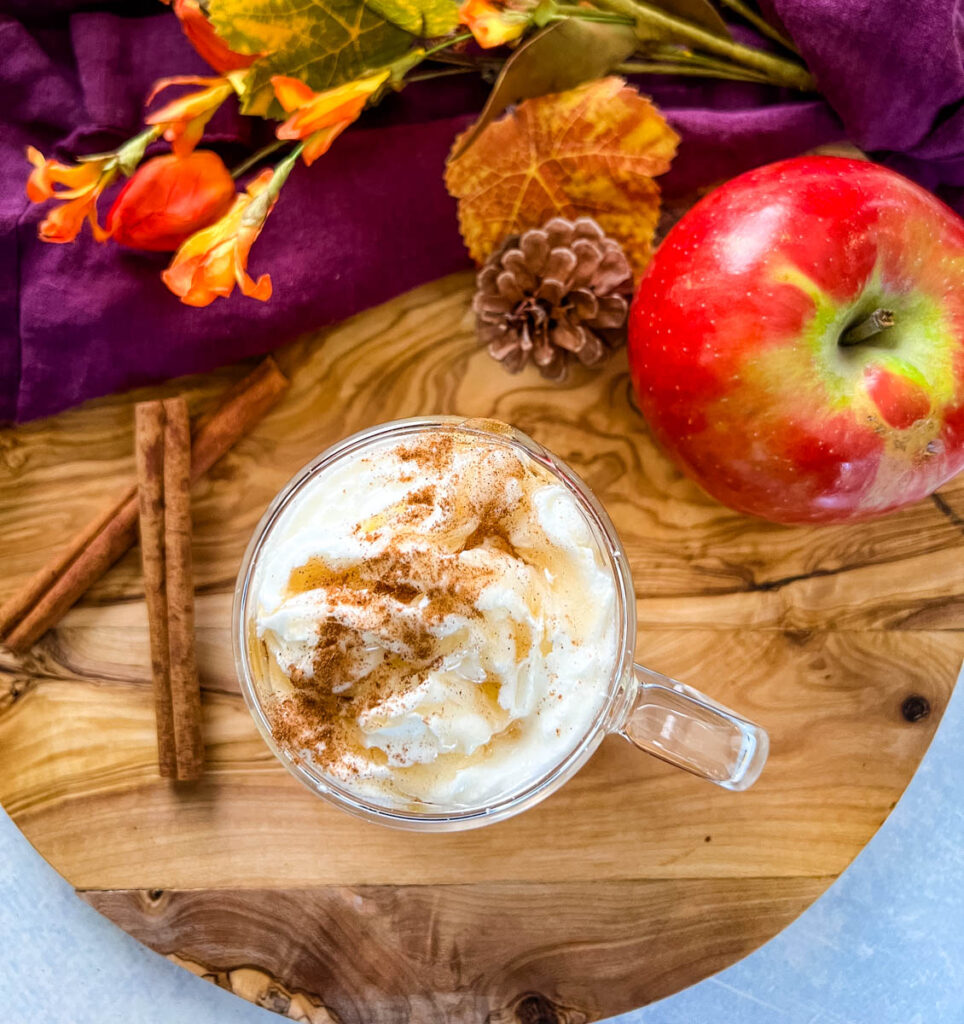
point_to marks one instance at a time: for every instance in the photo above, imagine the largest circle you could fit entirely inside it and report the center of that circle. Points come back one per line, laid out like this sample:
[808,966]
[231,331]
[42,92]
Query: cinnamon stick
[102,552]
[17,606]
[95,551]
[242,405]
[149,455]
[185,688]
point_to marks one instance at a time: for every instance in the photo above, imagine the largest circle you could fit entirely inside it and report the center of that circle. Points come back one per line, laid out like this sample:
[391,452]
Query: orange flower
[183,119]
[320,117]
[83,183]
[168,199]
[209,45]
[210,263]
[77,179]
[491,24]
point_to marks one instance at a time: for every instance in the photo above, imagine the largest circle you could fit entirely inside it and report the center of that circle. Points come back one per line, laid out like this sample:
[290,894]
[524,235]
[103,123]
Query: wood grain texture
[632,881]
[455,936]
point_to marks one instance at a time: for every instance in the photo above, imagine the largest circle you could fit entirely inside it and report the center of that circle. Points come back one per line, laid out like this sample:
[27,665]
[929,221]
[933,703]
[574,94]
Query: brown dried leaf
[561,56]
[591,151]
[700,12]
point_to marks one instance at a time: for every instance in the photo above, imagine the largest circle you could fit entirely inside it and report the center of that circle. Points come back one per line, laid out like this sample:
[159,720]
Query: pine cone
[554,293]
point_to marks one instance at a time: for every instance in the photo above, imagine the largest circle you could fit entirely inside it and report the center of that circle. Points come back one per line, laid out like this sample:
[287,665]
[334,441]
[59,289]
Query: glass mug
[657,714]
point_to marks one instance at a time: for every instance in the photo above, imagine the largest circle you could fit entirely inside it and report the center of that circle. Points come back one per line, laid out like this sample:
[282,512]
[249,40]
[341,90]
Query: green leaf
[132,152]
[322,42]
[700,12]
[561,56]
[425,18]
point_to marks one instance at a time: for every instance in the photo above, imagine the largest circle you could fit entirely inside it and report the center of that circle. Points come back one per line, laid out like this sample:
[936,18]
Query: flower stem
[145,137]
[681,55]
[760,24]
[129,152]
[261,205]
[734,74]
[256,158]
[283,168]
[426,76]
[778,70]
[563,11]
[445,43]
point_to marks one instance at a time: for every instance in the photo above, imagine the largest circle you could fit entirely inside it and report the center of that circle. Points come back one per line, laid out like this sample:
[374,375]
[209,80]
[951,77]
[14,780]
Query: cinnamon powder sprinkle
[321,712]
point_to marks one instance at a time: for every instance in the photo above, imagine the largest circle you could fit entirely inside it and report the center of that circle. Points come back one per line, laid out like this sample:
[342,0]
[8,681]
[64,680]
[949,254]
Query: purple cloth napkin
[372,218]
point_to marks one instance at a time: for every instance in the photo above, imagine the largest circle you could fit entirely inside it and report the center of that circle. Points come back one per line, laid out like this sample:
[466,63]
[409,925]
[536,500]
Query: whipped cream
[435,624]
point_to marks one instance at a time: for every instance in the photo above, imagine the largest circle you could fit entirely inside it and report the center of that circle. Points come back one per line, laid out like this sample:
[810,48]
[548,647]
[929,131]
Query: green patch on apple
[919,345]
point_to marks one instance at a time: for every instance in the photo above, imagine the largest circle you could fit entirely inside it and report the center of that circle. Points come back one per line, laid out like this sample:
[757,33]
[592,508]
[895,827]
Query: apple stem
[878,321]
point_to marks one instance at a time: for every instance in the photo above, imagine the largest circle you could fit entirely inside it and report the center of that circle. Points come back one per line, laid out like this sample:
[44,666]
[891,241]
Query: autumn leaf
[425,18]
[561,56]
[591,151]
[322,42]
[700,12]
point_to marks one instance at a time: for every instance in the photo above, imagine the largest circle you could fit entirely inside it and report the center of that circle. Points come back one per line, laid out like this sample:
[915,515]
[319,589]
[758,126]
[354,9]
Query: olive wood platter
[633,881]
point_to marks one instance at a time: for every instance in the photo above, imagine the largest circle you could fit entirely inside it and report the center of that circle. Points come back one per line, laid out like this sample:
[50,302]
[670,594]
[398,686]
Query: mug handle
[687,729]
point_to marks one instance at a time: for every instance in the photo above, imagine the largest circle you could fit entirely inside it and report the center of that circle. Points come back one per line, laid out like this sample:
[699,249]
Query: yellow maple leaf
[591,151]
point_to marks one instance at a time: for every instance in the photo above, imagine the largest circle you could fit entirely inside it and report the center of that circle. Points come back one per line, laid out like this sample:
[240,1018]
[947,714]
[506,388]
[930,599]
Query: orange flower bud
[215,259]
[183,119]
[168,199]
[491,24]
[320,117]
[203,37]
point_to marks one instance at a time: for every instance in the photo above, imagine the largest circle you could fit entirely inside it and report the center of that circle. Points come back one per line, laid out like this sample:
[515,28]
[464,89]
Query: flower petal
[259,183]
[185,135]
[79,179]
[214,260]
[260,289]
[292,93]
[319,143]
[334,108]
[64,222]
[490,24]
[162,83]
[205,39]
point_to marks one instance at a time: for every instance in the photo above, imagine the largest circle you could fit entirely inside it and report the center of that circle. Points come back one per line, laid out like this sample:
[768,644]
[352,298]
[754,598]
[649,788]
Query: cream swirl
[436,621]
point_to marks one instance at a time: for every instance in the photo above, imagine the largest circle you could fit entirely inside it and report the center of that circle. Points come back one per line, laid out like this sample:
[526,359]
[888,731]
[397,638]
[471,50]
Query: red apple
[745,341]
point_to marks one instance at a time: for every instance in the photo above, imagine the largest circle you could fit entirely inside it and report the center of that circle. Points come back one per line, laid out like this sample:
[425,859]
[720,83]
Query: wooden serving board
[633,881]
